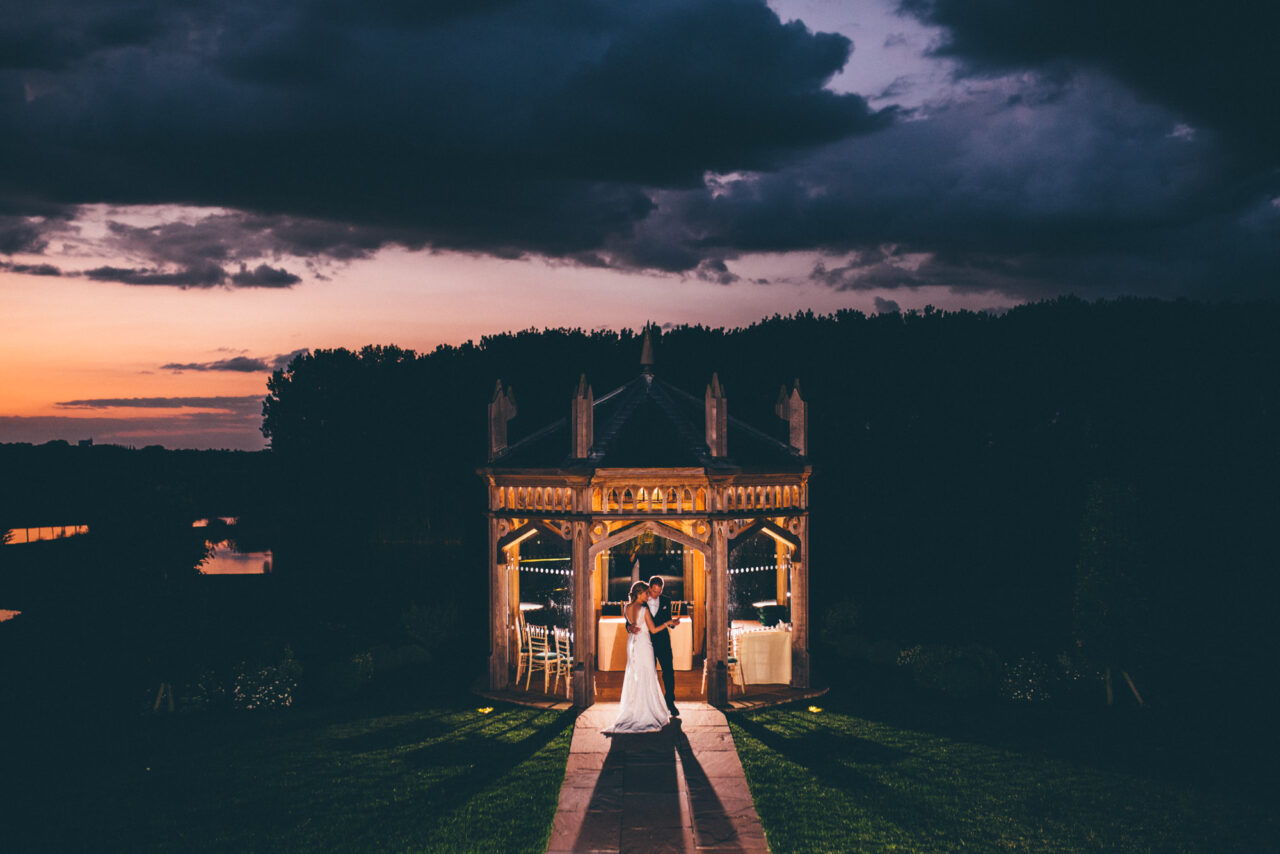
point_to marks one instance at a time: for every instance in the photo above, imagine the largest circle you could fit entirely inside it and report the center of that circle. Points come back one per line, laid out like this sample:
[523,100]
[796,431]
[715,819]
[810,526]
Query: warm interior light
[815,709]
[485,710]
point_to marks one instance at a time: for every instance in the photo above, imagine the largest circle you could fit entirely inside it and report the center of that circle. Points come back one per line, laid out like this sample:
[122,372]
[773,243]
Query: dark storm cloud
[31,269]
[282,361]
[20,234]
[1096,147]
[197,276]
[1213,63]
[239,237]
[239,364]
[505,128]
[1068,186]
[263,276]
[236,364]
[52,35]
[202,276]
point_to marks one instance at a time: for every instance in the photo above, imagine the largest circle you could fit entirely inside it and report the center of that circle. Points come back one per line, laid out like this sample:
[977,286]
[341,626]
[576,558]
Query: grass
[445,777]
[840,781]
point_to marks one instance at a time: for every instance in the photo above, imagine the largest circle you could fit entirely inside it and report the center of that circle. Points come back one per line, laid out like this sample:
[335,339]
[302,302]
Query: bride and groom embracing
[645,707]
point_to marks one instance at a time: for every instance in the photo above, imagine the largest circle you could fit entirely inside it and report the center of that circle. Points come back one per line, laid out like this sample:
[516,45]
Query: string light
[767,568]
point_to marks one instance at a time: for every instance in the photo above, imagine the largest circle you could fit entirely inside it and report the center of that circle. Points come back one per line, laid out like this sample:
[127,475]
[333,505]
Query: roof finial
[646,351]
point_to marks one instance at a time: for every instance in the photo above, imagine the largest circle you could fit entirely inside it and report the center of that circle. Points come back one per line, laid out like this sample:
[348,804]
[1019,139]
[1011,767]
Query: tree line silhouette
[954,455]
[969,469]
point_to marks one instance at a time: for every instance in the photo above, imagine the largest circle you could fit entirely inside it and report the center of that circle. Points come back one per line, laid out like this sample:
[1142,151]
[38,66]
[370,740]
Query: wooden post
[695,592]
[584,620]
[800,609]
[782,555]
[499,631]
[1132,687]
[166,690]
[718,616]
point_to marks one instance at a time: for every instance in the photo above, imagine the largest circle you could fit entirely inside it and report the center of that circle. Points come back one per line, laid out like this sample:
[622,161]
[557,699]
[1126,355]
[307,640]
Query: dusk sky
[194,190]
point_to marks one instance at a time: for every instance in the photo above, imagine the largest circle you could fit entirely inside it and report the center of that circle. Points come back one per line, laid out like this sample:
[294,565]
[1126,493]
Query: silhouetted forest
[1068,476]
[953,455]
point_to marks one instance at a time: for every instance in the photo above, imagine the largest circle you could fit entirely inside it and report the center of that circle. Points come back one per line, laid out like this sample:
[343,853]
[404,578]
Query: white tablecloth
[611,644]
[765,657]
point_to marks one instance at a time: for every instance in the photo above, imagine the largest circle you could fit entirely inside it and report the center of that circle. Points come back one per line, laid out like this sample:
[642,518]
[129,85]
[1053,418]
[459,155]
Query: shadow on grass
[841,762]
[330,779]
[818,786]
[1181,744]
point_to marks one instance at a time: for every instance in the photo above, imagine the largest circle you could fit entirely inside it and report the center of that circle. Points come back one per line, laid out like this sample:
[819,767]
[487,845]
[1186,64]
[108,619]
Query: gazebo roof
[649,423]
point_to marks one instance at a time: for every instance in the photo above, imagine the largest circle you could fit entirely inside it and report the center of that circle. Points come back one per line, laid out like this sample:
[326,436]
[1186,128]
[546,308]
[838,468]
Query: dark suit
[662,650]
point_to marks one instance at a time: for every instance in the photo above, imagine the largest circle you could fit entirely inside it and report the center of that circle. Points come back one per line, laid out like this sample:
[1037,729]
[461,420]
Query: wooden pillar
[584,620]
[512,558]
[695,590]
[499,631]
[782,555]
[800,609]
[687,571]
[718,616]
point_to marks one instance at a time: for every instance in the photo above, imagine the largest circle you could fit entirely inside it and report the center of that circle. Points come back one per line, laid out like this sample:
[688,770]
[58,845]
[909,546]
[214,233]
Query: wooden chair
[522,643]
[733,668]
[734,665]
[564,659]
[541,657]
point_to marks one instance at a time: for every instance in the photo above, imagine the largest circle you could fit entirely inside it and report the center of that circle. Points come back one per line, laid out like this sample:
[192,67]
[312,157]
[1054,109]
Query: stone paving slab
[678,790]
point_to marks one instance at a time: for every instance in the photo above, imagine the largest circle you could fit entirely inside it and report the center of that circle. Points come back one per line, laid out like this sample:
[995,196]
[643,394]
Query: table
[765,657]
[611,644]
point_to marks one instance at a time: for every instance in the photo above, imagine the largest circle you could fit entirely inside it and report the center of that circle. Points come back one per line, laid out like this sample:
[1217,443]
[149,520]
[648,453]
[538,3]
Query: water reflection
[55,532]
[227,560]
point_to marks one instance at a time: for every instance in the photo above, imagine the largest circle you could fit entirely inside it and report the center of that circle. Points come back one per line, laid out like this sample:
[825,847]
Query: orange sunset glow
[68,346]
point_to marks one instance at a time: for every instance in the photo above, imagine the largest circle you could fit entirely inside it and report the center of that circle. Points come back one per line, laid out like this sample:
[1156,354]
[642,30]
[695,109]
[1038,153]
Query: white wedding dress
[643,707]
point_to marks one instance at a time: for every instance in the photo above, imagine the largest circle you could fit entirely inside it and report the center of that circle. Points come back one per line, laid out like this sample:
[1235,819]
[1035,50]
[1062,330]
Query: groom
[660,610]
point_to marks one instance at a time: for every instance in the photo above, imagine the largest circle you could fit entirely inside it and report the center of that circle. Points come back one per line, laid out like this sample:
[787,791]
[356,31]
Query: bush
[434,627]
[838,625]
[344,677]
[1026,679]
[956,671]
[268,686]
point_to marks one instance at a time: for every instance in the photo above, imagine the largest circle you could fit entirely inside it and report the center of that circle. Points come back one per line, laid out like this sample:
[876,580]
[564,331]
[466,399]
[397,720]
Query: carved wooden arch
[764,526]
[630,532]
[527,530]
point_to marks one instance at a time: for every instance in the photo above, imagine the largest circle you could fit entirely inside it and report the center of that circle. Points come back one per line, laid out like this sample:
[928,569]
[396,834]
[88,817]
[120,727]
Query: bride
[643,707]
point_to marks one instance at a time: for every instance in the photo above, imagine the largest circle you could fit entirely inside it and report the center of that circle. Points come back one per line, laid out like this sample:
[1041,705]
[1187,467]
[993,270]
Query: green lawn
[835,781]
[443,778]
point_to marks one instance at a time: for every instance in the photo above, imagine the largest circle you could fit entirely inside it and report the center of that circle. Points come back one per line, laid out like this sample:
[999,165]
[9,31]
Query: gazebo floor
[688,689]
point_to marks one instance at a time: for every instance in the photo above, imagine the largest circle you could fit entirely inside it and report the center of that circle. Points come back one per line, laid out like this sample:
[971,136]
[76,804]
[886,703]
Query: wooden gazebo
[648,458]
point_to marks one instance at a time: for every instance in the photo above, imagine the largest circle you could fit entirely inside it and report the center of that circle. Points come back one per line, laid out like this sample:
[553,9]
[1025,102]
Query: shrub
[956,671]
[1026,679]
[267,686]
[434,627]
[838,625]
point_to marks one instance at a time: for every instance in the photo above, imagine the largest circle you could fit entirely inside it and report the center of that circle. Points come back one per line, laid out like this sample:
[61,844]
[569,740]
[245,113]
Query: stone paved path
[681,789]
